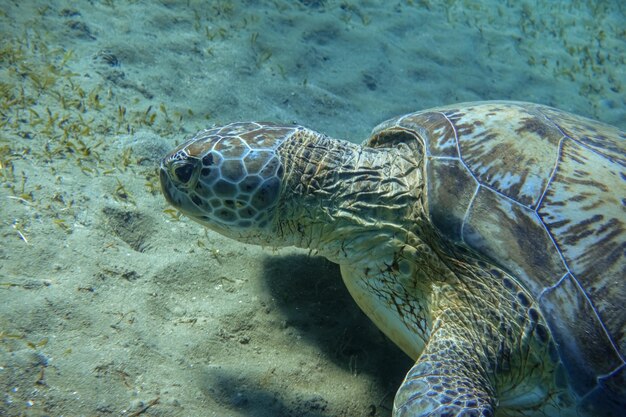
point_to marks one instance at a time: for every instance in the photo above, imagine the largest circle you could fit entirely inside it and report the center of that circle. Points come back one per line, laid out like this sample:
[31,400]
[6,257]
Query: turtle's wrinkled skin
[487,240]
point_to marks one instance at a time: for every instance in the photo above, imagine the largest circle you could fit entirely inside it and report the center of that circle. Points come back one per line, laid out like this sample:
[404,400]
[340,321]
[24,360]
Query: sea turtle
[487,240]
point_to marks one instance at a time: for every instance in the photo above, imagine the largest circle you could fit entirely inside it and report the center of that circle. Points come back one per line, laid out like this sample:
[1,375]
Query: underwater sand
[113,304]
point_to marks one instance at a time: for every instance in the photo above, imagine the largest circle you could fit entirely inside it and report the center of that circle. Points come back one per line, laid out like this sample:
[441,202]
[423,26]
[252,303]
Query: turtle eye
[183,172]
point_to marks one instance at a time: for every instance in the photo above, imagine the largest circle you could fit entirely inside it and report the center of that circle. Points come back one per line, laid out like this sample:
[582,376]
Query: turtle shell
[542,193]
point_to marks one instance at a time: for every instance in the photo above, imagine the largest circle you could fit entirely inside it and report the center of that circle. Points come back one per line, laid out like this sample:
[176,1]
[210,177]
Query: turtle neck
[339,192]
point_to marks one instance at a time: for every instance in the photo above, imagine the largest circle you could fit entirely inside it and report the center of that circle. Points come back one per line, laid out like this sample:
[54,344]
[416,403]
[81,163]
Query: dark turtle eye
[183,173]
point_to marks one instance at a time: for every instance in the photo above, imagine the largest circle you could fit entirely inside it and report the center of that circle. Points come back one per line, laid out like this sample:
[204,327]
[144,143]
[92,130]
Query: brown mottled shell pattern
[542,193]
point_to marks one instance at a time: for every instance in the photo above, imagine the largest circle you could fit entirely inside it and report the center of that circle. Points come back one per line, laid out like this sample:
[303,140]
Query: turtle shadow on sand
[246,395]
[311,297]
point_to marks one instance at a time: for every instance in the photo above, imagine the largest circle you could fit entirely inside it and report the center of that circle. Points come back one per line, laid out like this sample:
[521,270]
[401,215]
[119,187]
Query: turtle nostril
[183,173]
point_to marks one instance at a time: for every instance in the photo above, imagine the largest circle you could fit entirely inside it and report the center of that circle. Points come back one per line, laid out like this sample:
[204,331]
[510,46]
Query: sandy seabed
[113,304]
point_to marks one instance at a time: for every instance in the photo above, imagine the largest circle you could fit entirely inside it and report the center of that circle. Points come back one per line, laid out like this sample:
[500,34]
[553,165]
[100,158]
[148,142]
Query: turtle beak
[166,185]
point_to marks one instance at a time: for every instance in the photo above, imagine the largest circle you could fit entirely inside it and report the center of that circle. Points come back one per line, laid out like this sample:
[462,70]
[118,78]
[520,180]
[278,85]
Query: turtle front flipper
[447,380]
[489,348]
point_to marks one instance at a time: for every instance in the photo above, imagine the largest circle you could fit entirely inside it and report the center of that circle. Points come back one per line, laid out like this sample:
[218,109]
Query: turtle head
[229,179]
[278,185]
